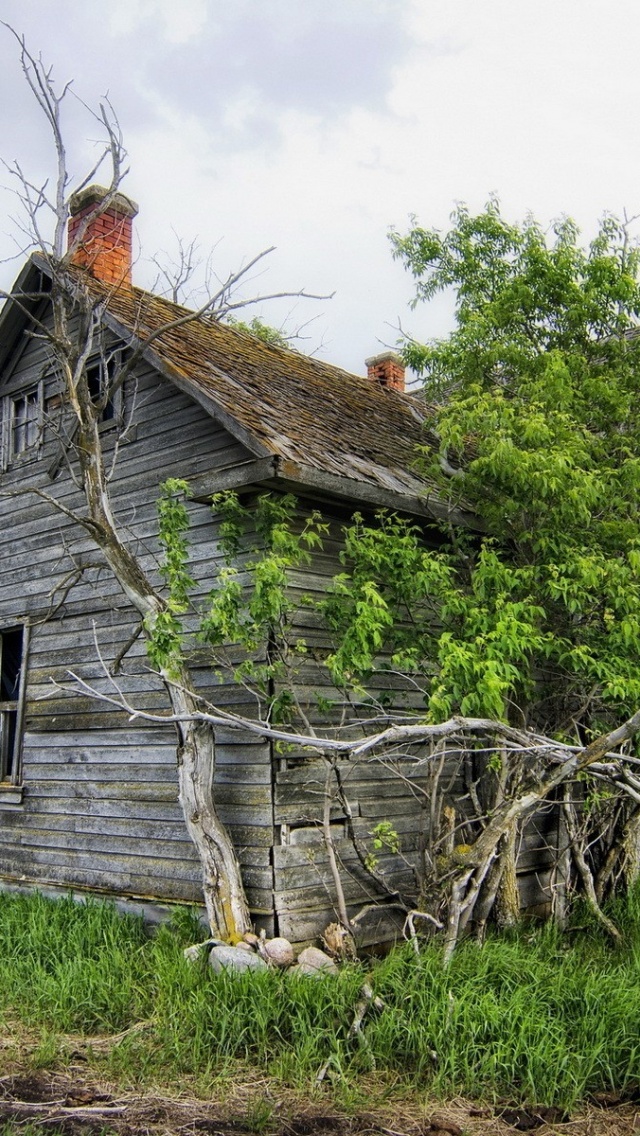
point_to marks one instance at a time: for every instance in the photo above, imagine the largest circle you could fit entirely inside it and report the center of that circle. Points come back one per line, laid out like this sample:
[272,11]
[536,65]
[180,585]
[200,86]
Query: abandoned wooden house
[88,799]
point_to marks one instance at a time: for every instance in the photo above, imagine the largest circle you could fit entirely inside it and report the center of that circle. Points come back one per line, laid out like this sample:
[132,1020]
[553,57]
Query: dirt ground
[63,1103]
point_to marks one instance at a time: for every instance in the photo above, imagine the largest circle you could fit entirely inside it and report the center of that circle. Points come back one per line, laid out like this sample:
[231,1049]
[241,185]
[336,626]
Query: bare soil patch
[62,1105]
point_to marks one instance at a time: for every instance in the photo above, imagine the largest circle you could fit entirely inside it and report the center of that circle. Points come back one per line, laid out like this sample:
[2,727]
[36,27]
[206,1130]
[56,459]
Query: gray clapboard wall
[100,807]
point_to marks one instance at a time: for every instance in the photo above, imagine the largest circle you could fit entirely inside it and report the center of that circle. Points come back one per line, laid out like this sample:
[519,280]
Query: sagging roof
[307,415]
[289,404]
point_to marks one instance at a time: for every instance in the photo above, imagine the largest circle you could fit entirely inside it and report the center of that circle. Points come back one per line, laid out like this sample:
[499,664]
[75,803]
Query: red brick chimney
[106,245]
[387,370]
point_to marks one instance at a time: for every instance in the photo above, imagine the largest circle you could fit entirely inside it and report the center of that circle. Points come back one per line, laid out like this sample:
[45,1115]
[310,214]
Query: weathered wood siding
[305,897]
[395,791]
[100,803]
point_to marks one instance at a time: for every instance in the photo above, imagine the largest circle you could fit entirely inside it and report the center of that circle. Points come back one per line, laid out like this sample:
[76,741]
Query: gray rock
[314,962]
[277,952]
[192,954]
[235,960]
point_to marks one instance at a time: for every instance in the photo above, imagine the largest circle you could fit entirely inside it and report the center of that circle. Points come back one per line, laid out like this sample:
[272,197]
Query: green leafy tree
[532,618]
[262,330]
[537,427]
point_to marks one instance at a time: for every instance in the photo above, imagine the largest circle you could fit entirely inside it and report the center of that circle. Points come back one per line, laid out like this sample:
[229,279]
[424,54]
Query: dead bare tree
[73,335]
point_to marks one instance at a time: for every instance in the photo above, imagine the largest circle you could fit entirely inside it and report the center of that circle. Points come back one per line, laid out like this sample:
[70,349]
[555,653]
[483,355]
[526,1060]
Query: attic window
[100,375]
[22,424]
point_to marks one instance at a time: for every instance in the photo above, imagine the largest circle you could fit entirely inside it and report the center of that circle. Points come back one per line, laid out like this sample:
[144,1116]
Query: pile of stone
[255,952]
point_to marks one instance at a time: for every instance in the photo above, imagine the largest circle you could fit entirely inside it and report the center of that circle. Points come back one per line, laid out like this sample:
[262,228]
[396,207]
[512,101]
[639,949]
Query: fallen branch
[570,759]
[367,1001]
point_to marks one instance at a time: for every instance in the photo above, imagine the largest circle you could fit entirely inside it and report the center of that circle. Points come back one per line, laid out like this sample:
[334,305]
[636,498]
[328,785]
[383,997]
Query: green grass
[533,1017]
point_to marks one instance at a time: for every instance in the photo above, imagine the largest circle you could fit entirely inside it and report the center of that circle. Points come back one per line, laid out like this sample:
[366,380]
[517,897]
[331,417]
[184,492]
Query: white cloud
[536,101]
[177,23]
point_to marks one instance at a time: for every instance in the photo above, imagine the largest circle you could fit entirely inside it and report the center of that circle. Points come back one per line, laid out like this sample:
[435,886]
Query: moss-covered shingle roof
[288,404]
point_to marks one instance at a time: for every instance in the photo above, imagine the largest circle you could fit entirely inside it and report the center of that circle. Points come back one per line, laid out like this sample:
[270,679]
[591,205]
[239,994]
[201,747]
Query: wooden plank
[116,790]
[253,844]
[357,889]
[396,794]
[22,867]
[307,926]
[117,865]
[360,773]
[295,864]
[167,856]
[93,773]
[536,892]
[173,859]
[230,772]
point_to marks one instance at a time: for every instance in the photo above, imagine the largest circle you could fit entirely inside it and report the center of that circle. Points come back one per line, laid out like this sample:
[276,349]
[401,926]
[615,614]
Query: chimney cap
[94,194]
[385,357]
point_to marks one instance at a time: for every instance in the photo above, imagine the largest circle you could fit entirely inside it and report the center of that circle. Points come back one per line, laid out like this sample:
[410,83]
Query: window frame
[11,424]
[11,763]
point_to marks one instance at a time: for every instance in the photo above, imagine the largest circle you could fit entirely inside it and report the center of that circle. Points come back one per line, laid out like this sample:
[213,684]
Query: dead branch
[126,647]
[584,869]
[409,926]
[568,759]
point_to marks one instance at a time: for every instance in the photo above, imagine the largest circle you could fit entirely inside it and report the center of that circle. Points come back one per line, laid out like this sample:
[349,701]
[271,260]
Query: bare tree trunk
[508,896]
[222,885]
[224,894]
[561,877]
[487,899]
[343,914]
[584,871]
[631,845]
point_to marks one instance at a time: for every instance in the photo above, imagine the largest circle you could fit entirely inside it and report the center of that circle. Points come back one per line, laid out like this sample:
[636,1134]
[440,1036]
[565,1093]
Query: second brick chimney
[387,370]
[106,246]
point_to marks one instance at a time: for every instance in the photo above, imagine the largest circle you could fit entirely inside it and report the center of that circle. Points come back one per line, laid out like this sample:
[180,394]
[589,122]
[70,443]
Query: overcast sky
[314,125]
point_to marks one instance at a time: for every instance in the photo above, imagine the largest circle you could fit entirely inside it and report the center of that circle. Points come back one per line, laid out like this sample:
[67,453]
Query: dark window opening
[99,379]
[44,283]
[12,652]
[8,743]
[11,663]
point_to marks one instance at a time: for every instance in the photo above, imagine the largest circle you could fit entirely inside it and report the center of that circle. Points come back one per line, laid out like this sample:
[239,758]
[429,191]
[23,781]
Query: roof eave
[279,473]
[210,405]
[269,469]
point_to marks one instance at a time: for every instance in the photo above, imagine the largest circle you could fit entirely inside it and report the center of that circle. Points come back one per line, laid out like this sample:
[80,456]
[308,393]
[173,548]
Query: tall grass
[74,966]
[534,1017]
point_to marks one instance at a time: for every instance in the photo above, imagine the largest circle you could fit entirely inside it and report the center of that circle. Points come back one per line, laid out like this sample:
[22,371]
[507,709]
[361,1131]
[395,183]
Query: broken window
[13,645]
[100,376]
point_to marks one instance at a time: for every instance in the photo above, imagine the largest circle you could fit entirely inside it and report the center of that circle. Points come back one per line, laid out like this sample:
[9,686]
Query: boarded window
[13,645]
